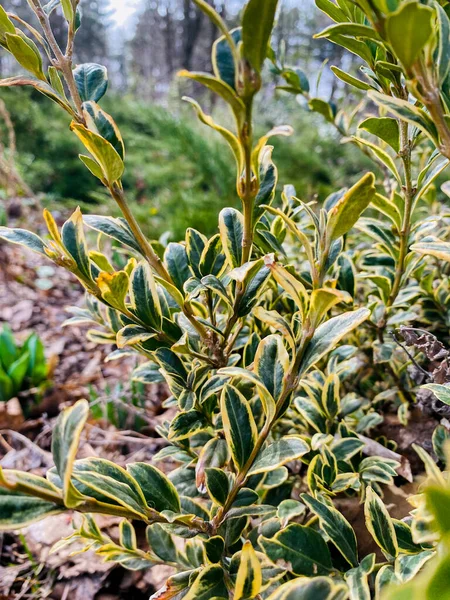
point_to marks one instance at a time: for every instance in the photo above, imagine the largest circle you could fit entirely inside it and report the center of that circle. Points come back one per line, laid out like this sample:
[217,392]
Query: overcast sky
[124,9]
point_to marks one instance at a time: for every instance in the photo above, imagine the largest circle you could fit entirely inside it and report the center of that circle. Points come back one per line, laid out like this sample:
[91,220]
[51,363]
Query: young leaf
[353,203]
[408,29]
[257,25]
[104,153]
[72,236]
[91,81]
[239,425]
[249,575]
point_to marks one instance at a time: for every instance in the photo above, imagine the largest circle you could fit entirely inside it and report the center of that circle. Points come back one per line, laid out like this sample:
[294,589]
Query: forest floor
[33,297]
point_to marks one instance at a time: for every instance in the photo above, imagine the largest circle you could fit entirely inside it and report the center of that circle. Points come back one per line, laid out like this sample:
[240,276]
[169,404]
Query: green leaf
[6,25]
[379,523]
[220,88]
[408,29]
[158,490]
[176,260]
[337,528]
[322,300]
[161,543]
[329,334]
[442,392]
[223,60]
[217,485]
[443,54]
[249,575]
[436,248]
[17,372]
[257,24]
[381,155]
[20,510]
[290,447]
[316,588]
[144,296]
[385,128]
[332,10]
[131,335]
[110,484]
[231,227]
[103,152]
[407,112]
[115,228]
[272,364]
[353,203]
[26,53]
[265,396]
[228,136]
[187,424]
[357,579]
[65,440]
[209,584]
[114,288]
[102,123]
[299,549]
[23,238]
[74,241]
[349,29]
[347,78]
[239,425]
[91,81]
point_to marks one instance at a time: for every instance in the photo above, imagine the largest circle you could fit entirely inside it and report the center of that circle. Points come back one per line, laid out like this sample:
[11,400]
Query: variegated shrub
[275,421]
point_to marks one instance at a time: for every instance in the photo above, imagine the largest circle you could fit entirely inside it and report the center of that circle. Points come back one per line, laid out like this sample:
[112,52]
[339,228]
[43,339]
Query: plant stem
[409,193]
[152,258]
[291,383]
[63,61]
[247,190]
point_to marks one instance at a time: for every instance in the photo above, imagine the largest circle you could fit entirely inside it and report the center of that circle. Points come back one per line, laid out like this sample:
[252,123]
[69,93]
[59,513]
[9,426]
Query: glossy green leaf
[231,226]
[66,436]
[329,334]
[337,528]
[379,523]
[385,128]
[23,238]
[20,510]
[217,484]
[239,425]
[91,81]
[353,203]
[278,453]
[257,24]
[209,584]
[249,575]
[299,549]
[408,29]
